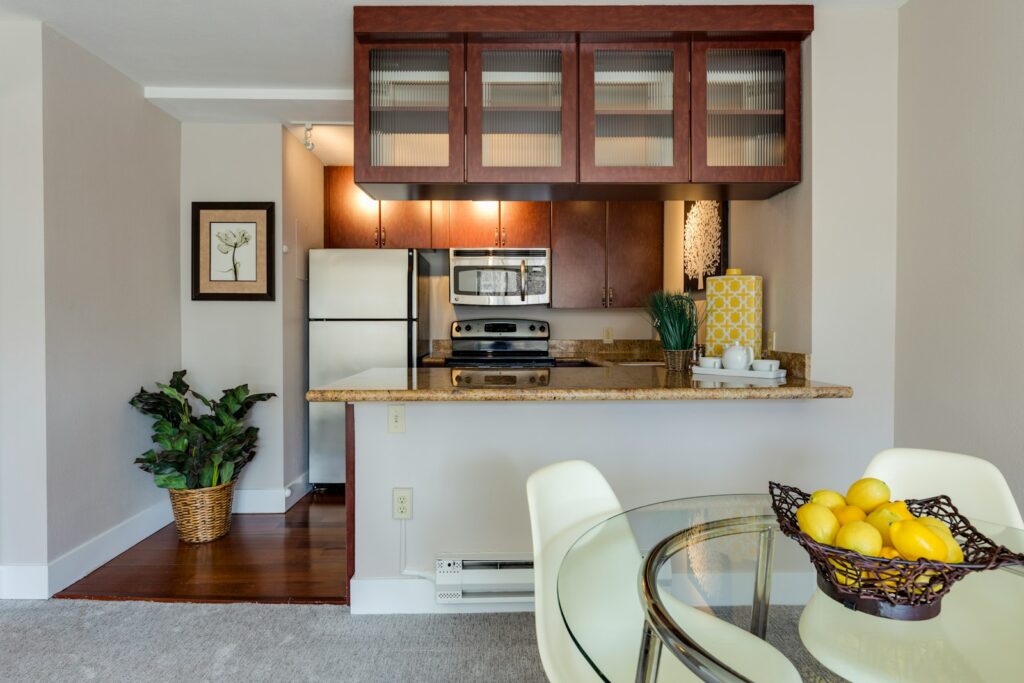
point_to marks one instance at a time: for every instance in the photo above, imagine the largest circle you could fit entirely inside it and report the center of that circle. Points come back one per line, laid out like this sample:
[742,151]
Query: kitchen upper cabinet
[525,224]
[473,224]
[405,225]
[746,111]
[636,237]
[634,112]
[578,254]
[351,217]
[409,112]
[521,111]
[439,220]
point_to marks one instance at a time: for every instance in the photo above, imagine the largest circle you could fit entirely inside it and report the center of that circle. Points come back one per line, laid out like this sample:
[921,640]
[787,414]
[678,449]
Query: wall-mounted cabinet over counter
[564,103]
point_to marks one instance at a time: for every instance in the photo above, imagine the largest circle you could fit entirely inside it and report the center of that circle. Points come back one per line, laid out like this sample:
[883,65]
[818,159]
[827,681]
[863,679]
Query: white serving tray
[759,374]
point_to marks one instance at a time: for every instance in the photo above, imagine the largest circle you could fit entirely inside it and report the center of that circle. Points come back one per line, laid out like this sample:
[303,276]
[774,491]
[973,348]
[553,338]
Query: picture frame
[233,251]
[705,242]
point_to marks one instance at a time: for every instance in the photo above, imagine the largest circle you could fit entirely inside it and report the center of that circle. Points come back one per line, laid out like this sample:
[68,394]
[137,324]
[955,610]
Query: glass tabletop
[715,586]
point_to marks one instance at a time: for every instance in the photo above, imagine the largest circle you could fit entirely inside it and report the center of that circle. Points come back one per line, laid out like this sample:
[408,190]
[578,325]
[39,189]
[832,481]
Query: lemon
[881,519]
[900,508]
[868,493]
[935,523]
[818,522]
[914,540]
[889,553]
[954,553]
[845,573]
[860,537]
[848,513]
[829,499]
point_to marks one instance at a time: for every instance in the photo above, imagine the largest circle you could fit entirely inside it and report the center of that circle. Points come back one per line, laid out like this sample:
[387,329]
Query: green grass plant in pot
[674,316]
[200,455]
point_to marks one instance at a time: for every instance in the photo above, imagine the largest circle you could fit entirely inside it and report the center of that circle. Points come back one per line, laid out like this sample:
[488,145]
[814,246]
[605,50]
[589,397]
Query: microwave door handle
[522,280]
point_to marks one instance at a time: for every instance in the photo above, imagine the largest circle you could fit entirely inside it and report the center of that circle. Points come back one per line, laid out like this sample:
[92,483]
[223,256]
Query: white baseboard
[296,490]
[259,501]
[24,582]
[413,596]
[76,563]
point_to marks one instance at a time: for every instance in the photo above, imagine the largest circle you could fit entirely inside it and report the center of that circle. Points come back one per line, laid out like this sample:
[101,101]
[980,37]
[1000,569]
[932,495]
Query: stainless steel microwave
[500,277]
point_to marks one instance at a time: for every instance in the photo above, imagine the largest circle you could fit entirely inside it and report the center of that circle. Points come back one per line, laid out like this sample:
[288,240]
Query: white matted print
[234,257]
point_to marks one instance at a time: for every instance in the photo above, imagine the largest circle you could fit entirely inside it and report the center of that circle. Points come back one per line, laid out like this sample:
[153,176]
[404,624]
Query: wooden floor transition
[297,557]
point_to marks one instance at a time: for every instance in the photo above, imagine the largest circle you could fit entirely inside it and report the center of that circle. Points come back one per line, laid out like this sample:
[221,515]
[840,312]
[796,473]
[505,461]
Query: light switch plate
[396,419]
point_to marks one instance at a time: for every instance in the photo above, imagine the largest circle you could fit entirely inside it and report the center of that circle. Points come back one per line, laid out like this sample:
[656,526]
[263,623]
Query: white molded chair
[566,500]
[976,486]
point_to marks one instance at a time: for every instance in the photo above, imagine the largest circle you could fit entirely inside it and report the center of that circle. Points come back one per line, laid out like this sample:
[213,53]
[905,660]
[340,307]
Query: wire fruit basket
[895,588]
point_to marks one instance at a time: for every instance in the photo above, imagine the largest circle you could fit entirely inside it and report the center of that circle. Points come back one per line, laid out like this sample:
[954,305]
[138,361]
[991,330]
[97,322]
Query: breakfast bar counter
[611,383]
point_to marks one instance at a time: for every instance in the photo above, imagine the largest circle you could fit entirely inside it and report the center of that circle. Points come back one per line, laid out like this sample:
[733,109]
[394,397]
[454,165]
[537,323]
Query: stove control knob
[533,328]
[458,328]
[543,328]
[468,328]
[469,380]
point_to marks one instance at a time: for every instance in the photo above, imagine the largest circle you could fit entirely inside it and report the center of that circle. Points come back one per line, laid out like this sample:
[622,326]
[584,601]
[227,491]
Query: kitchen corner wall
[960,359]
[302,229]
[261,343]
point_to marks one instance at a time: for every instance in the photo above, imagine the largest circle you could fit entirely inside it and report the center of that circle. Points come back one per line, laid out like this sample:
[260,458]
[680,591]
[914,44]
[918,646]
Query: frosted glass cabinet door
[409,122]
[746,111]
[634,112]
[521,112]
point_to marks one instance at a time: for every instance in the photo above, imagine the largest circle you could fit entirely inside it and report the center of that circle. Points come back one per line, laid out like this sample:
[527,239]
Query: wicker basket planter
[202,515]
[678,360]
[894,589]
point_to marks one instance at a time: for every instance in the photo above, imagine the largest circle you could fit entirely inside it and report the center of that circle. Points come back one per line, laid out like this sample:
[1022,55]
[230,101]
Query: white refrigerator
[367,309]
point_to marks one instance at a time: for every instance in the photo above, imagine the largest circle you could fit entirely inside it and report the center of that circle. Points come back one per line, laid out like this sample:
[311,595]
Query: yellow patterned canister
[734,312]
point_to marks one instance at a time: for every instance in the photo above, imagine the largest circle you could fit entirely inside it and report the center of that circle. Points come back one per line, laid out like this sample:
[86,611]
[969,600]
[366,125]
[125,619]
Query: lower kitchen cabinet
[473,224]
[605,254]
[351,217]
[405,225]
[636,242]
[578,254]
[525,224]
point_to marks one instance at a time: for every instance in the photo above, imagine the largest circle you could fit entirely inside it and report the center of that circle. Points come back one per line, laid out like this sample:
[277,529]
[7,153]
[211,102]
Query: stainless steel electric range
[500,352]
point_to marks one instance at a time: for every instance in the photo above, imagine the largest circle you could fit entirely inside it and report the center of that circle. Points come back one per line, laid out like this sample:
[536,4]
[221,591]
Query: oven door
[500,277]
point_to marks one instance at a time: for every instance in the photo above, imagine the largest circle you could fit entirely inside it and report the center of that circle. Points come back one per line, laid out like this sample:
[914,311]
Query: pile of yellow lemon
[866,522]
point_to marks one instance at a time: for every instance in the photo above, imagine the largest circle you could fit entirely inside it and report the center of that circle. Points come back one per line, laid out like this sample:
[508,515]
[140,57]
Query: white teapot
[737,357]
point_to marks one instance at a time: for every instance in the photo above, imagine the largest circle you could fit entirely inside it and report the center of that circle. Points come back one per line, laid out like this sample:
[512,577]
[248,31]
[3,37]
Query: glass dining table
[660,593]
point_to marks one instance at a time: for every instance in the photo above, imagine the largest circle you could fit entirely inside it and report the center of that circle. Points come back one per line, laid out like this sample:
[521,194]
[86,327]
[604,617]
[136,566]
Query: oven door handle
[522,280]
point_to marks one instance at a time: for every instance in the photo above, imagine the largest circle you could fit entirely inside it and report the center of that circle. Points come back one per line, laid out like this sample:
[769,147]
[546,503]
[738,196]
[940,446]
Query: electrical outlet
[396,419]
[401,503]
[609,335]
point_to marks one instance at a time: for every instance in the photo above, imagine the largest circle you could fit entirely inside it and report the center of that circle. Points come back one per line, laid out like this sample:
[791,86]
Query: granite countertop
[610,383]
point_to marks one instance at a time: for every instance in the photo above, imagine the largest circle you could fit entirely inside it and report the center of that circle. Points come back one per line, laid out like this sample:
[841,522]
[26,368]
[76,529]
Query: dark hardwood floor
[298,556]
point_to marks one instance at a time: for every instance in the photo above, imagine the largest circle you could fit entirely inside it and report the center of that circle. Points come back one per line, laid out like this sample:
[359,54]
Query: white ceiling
[246,60]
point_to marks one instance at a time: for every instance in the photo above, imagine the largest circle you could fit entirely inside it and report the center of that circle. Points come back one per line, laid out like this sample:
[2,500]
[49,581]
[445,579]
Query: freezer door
[367,284]
[337,350]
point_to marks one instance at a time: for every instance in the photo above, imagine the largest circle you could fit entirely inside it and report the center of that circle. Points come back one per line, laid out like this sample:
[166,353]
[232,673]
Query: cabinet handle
[383,236]
[376,237]
[611,295]
[604,297]
[504,236]
[497,236]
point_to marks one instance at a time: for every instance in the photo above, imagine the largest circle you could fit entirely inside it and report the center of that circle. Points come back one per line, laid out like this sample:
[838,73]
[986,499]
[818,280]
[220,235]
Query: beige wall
[112,314]
[226,343]
[22,307]
[302,225]
[959,349]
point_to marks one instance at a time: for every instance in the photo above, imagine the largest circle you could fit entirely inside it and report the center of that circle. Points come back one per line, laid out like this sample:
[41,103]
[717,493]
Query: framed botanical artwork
[232,251]
[705,242]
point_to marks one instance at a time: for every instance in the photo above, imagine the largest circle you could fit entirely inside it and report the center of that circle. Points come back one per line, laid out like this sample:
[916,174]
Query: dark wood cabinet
[439,221]
[605,254]
[525,224]
[636,240]
[578,254]
[473,224]
[405,225]
[521,111]
[351,217]
[746,111]
[409,111]
[635,112]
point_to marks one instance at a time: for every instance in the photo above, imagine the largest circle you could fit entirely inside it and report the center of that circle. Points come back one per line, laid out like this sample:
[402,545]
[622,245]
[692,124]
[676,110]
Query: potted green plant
[674,316]
[200,455]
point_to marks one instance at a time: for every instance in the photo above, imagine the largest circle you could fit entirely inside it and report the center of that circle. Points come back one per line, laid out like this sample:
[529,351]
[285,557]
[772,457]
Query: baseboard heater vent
[483,578]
